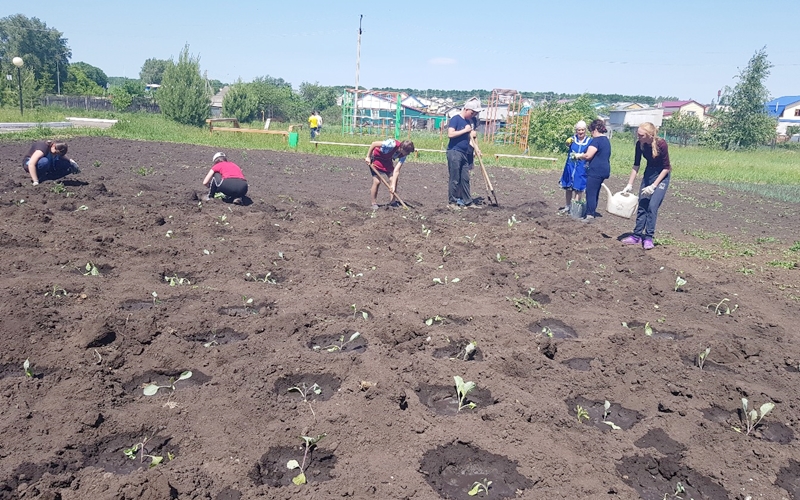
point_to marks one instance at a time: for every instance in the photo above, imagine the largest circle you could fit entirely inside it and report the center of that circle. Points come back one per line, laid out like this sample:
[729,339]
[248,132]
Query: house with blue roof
[786,110]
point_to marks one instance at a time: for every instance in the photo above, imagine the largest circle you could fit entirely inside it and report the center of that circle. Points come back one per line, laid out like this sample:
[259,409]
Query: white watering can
[622,204]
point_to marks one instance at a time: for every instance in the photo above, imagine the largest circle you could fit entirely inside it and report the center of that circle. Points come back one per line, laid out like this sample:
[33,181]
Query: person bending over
[227,178]
[49,159]
[382,156]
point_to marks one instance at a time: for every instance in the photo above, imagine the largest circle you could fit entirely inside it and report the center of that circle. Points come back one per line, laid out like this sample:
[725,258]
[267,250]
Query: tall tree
[553,123]
[240,102]
[153,70]
[683,127]
[183,96]
[317,96]
[94,73]
[79,83]
[742,121]
[43,49]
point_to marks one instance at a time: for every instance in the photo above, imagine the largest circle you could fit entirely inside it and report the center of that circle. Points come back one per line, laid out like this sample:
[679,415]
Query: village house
[691,108]
[786,110]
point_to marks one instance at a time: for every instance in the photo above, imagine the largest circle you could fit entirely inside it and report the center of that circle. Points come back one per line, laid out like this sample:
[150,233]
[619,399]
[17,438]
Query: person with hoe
[599,169]
[573,180]
[655,182]
[459,154]
[381,158]
[48,160]
[227,178]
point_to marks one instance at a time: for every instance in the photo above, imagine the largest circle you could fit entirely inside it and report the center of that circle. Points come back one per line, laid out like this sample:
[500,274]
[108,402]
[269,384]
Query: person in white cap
[459,151]
[227,178]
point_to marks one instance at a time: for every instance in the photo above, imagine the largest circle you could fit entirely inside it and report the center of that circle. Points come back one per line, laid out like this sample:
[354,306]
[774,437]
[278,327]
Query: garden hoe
[385,183]
[492,197]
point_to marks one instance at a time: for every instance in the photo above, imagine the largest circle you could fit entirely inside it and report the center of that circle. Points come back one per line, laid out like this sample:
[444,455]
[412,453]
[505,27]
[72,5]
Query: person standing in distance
[655,182]
[573,179]
[227,178]
[313,124]
[459,151]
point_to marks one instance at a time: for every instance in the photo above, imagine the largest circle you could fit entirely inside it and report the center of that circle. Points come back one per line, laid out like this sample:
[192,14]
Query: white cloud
[441,61]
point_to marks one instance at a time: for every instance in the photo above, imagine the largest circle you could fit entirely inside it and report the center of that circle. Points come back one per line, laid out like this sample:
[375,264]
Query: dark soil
[243,294]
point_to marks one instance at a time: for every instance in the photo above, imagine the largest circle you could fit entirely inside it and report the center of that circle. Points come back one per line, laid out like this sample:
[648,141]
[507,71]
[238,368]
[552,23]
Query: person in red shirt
[227,178]
[382,155]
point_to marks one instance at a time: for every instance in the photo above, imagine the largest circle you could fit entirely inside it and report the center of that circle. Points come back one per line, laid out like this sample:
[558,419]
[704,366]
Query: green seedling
[219,196]
[58,188]
[679,282]
[155,298]
[513,220]
[292,464]
[678,490]
[26,366]
[523,303]
[340,346]
[723,308]
[139,447]
[702,356]
[752,417]
[175,280]
[480,488]
[96,164]
[247,302]
[445,252]
[82,208]
[468,351]
[581,413]
[91,270]
[606,412]
[57,291]
[169,233]
[436,318]
[648,330]
[152,389]
[439,281]
[266,279]
[144,171]
[500,258]
[547,331]
[463,389]
[364,314]
[471,239]
[426,231]
[419,258]
[306,392]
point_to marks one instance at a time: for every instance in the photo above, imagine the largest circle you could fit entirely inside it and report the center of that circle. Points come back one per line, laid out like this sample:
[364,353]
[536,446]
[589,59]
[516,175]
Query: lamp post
[18,62]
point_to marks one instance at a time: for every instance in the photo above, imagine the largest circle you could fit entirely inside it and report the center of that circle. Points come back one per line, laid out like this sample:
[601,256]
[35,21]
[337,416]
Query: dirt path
[260,299]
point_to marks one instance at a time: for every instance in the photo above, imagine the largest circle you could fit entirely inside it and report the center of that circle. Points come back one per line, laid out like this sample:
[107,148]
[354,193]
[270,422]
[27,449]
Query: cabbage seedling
[26,366]
[606,411]
[340,345]
[91,270]
[306,392]
[723,308]
[292,464]
[436,318]
[463,389]
[679,282]
[468,351]
[701,357]
[176,281]
[648,330]
[480,487]
[152,389]
[154,459]
[364,314]
[752,417]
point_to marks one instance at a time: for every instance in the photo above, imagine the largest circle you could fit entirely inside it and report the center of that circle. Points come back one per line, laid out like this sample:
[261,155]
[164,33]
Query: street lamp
[18,62]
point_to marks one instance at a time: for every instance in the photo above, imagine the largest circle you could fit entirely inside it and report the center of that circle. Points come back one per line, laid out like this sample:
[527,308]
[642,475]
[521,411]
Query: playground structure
[376,112]
[507,119]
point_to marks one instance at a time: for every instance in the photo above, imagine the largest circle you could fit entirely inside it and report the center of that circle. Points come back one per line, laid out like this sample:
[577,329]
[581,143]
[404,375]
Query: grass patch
[783,263]
[795,247]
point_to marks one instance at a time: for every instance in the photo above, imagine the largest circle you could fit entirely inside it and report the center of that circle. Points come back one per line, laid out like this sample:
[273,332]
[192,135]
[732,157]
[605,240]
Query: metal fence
[90,103]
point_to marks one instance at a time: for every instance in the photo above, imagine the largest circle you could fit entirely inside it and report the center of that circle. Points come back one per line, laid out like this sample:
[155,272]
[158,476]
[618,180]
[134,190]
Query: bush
[183,96]
[240,103]
[553,123]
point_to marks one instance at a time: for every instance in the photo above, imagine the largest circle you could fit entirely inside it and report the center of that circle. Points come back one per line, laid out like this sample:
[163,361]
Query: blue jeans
[47,164]
[458,173]
[648,210]
[593,193]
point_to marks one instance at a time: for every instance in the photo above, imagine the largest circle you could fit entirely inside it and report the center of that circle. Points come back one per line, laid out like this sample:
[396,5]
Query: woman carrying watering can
[655,182]
[573,180]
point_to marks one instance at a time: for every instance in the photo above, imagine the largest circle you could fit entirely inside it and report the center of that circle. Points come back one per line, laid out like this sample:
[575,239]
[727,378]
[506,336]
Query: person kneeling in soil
[227,178]
[49,161]
[382,155]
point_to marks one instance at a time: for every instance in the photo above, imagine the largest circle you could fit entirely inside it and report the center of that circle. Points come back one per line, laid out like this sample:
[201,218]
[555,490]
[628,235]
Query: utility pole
[358,67]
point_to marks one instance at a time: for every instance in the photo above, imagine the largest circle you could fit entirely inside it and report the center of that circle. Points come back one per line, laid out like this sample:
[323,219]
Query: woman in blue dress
[573,180]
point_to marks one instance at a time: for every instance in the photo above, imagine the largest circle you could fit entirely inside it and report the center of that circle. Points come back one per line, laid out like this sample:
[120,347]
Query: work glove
[628,189]
[647,191]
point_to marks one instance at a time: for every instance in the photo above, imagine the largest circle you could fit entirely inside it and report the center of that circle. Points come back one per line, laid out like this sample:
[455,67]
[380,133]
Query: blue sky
[687,49]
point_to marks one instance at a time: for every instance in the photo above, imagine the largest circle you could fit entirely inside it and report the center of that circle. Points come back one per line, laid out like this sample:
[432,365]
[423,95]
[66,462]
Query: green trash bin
[293,138]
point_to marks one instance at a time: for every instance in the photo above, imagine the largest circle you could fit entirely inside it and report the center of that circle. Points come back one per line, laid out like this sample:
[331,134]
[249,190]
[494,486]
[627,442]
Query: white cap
[218,155]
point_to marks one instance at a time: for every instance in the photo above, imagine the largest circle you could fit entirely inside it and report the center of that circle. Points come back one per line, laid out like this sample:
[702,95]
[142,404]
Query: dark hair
[407,147]
[60,147]
[598,125]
